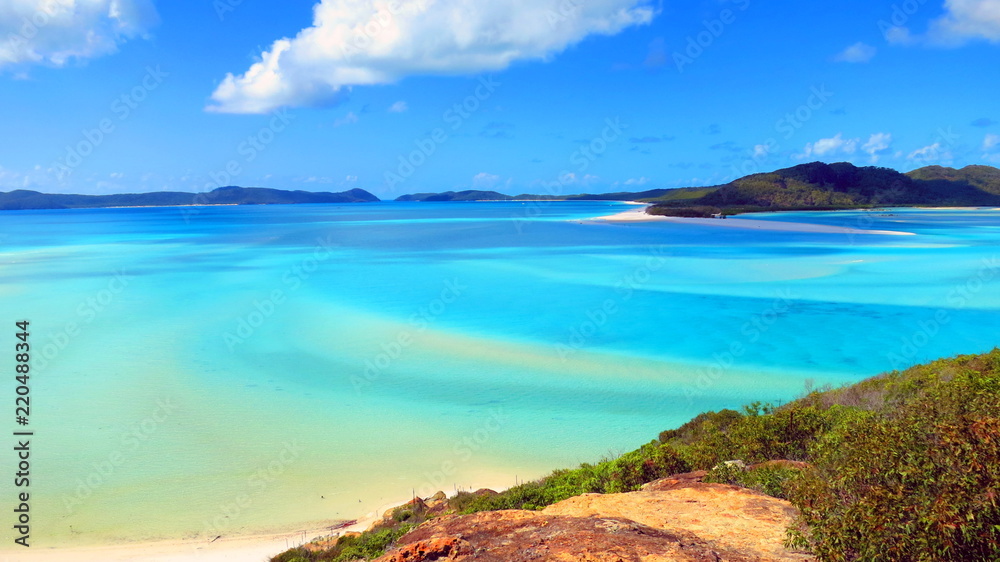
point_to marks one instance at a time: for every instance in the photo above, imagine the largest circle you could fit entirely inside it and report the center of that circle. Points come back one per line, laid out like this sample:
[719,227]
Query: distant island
[477,195]
[23,199]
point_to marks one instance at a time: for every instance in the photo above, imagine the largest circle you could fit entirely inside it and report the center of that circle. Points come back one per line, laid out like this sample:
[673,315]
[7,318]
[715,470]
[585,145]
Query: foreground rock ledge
[678,518]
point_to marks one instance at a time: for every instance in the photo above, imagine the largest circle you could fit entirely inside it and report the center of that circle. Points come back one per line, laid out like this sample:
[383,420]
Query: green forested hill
[984,178]
[844,185]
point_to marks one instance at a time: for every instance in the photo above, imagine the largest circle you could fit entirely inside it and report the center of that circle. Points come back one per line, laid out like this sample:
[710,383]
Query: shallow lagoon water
[223,370]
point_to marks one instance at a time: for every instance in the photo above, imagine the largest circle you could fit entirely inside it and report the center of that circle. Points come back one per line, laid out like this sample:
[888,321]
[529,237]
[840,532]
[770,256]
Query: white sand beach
[226,549]
[640,215]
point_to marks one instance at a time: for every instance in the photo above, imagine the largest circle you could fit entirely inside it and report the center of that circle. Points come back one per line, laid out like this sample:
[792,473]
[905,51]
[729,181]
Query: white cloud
[55,32]
[483,180]
[991,142]
[570,178]
[991,148]
[399,107]
[931,153]
[830,147]
[637,181]
[965,20]
[877,143]
[898,36]
[348,119]
[37,178]
[858,52]
[365,42]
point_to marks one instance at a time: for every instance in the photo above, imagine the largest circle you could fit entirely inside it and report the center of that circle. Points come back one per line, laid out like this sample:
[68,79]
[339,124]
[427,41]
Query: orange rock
[520,536]
[693,522]
[684,480]
[449,548]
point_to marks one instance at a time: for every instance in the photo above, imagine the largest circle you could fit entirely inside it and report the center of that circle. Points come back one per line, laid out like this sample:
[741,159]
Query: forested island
[23,199]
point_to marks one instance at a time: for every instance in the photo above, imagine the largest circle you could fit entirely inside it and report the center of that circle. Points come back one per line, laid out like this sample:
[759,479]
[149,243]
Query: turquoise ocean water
[224,370]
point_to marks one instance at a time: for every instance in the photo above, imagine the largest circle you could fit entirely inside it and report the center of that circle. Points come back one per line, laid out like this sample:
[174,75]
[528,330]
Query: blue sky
[521,96]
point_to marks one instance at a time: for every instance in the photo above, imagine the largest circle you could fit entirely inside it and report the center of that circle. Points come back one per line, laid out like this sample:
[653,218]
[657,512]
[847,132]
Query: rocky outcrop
[727,518]
[514,535]
[677,518]
[676,481]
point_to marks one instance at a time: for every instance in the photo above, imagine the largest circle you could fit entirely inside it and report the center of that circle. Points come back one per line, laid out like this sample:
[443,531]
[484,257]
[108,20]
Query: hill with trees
[843,186]
[984,178]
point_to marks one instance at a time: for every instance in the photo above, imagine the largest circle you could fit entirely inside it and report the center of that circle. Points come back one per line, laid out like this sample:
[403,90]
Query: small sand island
[643,215]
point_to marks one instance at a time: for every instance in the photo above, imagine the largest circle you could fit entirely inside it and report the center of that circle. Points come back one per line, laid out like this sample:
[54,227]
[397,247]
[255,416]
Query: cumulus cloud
[569,178]
[836,145]
[483,180]
[637,181]
[858,52]
[399,107]
[366,42]
[898,35]
[991,148]
[931,153]
[877,144]
[966,20]
[991,142]
[55,32]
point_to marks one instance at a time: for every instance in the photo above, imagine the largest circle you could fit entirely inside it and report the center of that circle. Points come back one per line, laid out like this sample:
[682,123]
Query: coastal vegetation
[902,466]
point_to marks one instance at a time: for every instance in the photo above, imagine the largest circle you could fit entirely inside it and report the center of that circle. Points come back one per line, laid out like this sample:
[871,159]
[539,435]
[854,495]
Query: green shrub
[624,474]
[700,425]
[761,434]
[773,481]
[369,545]
[918,482]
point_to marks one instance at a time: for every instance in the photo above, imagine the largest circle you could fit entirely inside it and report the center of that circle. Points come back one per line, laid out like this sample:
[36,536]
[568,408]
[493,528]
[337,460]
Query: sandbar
[640,215]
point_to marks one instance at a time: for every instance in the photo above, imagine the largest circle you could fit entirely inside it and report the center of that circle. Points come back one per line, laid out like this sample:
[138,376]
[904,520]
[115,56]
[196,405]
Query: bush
[919,482]
[624,474]
[368,545]
[761,434]
[701,425]
[630,471]
[773,481]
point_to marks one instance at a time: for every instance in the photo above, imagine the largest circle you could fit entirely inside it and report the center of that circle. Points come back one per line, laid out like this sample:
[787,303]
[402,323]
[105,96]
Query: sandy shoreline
[254,548]
[640,215]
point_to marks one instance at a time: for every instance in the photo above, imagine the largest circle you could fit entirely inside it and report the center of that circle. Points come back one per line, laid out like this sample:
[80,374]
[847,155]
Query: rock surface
[513,535]
[677,518]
